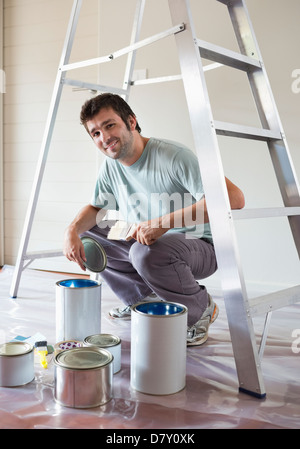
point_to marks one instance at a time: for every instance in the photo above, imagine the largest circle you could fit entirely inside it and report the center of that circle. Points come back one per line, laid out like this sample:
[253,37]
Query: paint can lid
[15,348]
[102,340]
[95,254]
[83,358]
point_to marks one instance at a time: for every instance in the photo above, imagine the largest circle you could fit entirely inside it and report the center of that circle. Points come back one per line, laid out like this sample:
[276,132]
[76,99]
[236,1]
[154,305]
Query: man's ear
[132,122]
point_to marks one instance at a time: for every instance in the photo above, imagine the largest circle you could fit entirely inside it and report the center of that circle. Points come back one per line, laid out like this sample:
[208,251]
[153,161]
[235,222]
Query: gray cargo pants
[169,267]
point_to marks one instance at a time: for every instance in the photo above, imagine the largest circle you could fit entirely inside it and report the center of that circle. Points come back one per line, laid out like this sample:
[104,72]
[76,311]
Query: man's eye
[96,134]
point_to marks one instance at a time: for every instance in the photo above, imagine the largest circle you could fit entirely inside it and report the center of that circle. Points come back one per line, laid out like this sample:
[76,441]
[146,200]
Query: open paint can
[78,309]
[16,364]
[158,347]
[111,343]
[83,377]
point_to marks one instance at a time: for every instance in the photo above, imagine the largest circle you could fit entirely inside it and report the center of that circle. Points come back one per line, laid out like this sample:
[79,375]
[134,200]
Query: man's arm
[73,247]
[148,232]
[236,196]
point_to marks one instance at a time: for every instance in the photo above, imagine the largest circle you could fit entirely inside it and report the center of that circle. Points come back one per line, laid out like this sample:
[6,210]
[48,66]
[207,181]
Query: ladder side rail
[135,36]
[234,290]
[56,95]
[267,109]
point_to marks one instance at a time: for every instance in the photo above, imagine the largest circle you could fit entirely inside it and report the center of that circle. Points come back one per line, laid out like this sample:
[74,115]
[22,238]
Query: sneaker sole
[203,339]
[123,318]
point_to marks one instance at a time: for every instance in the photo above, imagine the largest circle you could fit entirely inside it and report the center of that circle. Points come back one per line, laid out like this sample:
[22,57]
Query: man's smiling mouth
[112,145]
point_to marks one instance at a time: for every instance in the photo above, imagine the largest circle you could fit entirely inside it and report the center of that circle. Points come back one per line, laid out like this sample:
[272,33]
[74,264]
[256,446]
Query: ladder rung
[243,214]
[163,79]
[159,79]
[40,254]
[93,86]
[246,132]
[227,57]
[273,301]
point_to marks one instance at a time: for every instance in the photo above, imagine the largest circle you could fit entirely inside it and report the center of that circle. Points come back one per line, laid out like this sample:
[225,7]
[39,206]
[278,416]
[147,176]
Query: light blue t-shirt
[165,178]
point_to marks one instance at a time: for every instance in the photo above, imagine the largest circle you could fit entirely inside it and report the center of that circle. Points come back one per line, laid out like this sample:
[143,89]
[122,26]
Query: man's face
[111,134]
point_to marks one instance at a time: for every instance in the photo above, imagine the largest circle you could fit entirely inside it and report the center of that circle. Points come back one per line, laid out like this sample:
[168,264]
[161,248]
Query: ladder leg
[134,38]
[235,296]
[44,149]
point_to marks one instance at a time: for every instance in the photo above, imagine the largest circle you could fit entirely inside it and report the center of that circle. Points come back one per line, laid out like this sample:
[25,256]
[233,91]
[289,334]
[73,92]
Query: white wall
[34,33]
[34,37]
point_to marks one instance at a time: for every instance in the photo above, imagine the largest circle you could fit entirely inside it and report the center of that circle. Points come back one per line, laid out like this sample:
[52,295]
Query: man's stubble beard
[126,149]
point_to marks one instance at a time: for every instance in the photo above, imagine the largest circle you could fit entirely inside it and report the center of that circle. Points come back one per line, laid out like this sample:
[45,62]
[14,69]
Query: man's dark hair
[107,100]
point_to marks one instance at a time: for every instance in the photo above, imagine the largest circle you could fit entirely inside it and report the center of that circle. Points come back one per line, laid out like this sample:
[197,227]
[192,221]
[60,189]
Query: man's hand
[146,232]
[85,220]
[73,248]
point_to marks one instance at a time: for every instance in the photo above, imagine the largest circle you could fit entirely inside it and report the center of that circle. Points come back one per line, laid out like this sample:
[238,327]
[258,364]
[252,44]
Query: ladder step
[273,301]
[246,132]
[40,254]
[227,57]
[243,214]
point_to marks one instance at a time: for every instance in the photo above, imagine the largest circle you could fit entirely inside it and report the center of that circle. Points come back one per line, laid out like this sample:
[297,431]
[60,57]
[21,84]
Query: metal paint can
[16,364]
[83,377]
[111,343]
[158,347]
[78,309]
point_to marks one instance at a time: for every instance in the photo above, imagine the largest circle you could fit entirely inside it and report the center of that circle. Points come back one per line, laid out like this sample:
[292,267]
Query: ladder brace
[125,50]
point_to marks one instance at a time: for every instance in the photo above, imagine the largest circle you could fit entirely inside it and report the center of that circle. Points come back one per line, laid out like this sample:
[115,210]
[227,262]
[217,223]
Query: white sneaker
[198,333]
[124,313]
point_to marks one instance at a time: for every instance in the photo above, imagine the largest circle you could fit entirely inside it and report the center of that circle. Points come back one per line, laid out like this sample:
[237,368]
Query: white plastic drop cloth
[210,400]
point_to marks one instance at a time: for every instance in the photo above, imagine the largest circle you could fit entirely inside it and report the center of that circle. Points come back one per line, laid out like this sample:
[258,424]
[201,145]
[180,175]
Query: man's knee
[144,258]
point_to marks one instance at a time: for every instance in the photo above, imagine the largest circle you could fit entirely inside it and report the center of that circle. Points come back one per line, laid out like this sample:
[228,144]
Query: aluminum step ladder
[240,309]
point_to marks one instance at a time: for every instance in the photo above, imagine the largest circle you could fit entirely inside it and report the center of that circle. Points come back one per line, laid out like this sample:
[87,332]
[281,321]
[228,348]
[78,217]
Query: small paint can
[83,377]
[111,343]
[158,347]
[16,364]
[78,309]
[64,345]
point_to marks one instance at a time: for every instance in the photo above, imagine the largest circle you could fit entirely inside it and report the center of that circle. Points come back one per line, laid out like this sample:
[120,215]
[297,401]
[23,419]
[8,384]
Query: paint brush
[120,231]
[41,349]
